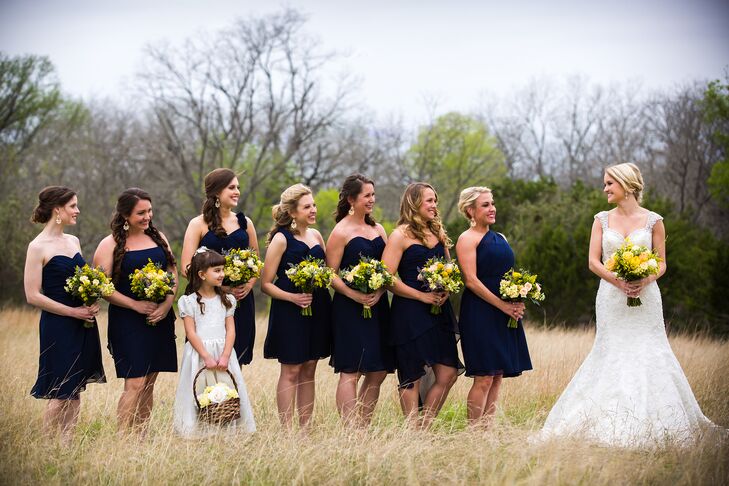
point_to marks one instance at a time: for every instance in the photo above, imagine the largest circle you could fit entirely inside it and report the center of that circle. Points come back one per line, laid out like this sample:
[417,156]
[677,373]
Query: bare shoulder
[107,243]
[249,222]
[381,230]
[318,235]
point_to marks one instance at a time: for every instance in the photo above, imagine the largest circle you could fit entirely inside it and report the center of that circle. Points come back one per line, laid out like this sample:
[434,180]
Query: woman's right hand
[145,307]
[83,313]
[302,300]
[360,298]
[625,287]
[432,298]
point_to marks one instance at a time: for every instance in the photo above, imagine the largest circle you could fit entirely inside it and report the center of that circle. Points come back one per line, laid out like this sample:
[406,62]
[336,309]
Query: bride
[630,391]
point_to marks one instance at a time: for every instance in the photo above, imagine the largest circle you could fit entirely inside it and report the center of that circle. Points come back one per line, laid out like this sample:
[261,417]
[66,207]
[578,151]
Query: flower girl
[207,312]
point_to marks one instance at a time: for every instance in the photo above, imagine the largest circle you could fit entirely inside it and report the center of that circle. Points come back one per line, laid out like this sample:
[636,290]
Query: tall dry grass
[387,452]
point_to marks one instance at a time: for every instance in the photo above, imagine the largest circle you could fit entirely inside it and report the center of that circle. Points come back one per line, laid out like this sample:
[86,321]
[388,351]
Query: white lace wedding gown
[630,391]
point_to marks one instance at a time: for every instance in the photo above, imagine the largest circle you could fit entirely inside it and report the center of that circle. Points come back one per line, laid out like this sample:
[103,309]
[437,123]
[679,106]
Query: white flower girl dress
[210,327]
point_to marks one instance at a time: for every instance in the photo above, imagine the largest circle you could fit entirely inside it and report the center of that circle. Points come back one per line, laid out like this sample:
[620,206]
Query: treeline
[256,97]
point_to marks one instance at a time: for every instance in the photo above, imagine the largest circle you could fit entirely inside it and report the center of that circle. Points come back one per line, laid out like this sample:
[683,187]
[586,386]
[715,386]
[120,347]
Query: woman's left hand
[160,313]
[241,291]
[636,286]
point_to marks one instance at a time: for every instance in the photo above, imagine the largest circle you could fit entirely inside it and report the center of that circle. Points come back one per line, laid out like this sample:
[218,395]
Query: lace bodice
[612,239]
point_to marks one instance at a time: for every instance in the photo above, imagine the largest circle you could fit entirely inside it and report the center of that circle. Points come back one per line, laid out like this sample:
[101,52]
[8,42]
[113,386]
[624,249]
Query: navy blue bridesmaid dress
[293,338]
[421,338]
[70,354]
[139,348]
[361,345]
[245,313]
[489,346]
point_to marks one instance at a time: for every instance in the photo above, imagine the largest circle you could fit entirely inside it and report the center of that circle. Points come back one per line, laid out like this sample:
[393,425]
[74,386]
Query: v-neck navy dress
[245,313]
[293,338]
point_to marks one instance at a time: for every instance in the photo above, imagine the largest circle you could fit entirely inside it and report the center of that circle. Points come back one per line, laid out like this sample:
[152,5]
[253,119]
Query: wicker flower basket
[217,413]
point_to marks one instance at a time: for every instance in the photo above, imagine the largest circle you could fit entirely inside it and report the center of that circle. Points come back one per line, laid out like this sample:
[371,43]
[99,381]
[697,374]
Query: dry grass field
[386,453]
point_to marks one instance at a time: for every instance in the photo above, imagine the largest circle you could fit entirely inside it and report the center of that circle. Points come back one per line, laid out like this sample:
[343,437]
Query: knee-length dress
[489,346]
[361,344]
[245,313]
[139,348]
[420,337]
[293,338]
[210,328]
[70,353]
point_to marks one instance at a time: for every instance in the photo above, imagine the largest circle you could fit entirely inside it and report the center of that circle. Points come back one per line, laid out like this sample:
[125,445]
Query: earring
[293,224]
[472,222]
[58,218]
[351,211]
[217,202]
[126,226]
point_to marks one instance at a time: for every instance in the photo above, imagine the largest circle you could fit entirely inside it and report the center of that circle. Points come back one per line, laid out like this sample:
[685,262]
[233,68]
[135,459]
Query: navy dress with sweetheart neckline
[420,337]
[70,353]
[245,312]
[139,348]
[361,345]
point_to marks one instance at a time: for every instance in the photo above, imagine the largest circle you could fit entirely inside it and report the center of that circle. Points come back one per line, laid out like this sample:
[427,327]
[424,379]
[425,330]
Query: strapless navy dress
[489,346]
[138,348]
[361,345]
[245,313]
[421,338]
[293,338]
[70,354]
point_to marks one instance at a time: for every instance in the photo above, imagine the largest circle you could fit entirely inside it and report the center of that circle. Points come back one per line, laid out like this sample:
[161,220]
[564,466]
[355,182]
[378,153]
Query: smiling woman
[141,333]
[70,352]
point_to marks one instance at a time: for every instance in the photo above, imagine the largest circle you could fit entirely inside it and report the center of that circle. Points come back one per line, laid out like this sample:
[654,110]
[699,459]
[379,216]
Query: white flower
[219,393]
[349,278]
[523,292]
[528,286]
[652,263]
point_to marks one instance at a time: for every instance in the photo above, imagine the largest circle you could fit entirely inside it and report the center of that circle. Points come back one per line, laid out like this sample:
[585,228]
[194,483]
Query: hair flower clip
[202,249]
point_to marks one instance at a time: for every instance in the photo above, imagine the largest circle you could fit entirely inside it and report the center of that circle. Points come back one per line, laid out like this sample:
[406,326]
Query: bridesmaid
[421,338]
[491,349]
[70,353]
[297,341]
[360,345]
[141,333]
[219,228]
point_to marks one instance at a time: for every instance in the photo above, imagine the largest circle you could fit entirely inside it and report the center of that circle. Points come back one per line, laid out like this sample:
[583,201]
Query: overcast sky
[404,52]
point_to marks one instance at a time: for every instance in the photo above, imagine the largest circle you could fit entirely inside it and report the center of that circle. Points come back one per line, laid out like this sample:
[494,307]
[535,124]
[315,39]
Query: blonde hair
[410,217]
[468,197]
[629,177]
[282,211]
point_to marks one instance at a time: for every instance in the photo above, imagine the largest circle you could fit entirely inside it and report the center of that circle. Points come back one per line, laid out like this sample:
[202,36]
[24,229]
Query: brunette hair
[49,199]
[124,207]
[215,182]
[201,261]
[351,188]
[410,217]
[281,212]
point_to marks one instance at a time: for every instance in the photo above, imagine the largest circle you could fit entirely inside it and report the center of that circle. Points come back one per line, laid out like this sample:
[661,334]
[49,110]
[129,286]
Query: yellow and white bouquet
[152,283]
[441,275]
[241,266]
[520,286]
[89,285]
[367,276]
[633,262]
[309,274]
[217,393]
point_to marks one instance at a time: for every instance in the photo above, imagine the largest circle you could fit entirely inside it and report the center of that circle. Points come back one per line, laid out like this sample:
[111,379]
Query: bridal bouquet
[441,275]
[309,274]
[215,394]
[367,276]
[152,283]
[241,266]
[520,286]
[89,285]
[633,262]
